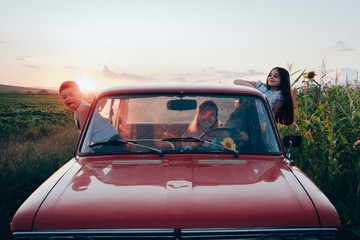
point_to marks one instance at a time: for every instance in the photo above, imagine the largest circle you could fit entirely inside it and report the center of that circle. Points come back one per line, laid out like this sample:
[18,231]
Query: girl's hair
[69,84]
[205,105]
[286,114]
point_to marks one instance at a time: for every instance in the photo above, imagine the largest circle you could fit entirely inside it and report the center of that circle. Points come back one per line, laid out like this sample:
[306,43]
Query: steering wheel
[231,132]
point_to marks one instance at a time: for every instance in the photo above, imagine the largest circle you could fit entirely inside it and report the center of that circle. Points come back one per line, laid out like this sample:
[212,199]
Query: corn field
[328,119]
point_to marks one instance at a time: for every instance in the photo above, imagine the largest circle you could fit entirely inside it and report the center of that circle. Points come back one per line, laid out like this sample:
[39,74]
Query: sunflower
[229,143]
[310,75]
[355,145]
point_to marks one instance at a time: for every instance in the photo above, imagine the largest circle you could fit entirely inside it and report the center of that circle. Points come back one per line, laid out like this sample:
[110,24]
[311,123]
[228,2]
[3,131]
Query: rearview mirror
[182,104]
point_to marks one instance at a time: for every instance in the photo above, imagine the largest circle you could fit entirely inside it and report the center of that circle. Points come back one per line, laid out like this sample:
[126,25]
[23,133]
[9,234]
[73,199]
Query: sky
[104,43]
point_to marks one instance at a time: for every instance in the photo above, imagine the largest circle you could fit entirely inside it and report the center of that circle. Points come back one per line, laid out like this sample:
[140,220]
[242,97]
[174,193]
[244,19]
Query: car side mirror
[182,104]
[289,142]
[292,141]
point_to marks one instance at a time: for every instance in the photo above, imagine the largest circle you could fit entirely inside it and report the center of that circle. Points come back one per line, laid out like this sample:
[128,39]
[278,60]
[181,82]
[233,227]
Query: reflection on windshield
[168,124]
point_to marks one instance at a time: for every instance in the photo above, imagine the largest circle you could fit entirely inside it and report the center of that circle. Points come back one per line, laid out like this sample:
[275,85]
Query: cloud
[106,72]
[177,79]
[71,68]
[206,75]
[210,80]
[30,66]
[2,42]
[27,59]
[134,77]
[232,75]
[340,46]
[27,62]
[184,75]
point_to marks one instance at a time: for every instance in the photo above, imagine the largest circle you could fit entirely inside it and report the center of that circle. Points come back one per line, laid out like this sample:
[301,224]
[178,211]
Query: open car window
[153,123]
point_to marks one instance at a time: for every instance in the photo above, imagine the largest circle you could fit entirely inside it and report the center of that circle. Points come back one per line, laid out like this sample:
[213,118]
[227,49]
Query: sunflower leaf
[298,78]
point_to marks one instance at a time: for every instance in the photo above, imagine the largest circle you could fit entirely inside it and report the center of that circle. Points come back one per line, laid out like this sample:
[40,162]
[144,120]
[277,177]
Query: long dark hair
[285,115]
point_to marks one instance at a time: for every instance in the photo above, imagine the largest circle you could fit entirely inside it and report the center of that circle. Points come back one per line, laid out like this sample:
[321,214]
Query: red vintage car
[178,161]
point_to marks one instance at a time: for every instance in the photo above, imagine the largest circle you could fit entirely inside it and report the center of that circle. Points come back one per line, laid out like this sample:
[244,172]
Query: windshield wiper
[186,139]
[195,139]
[121,142]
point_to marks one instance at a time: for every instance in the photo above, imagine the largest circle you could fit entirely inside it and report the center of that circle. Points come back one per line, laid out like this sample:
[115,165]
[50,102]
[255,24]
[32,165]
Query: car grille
[178,234]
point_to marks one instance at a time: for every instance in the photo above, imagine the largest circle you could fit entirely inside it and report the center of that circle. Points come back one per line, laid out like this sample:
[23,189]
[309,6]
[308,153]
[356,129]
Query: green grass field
[37,135]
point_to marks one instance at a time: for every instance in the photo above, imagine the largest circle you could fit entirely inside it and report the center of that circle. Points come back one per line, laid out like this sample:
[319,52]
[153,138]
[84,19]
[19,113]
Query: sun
[87,82]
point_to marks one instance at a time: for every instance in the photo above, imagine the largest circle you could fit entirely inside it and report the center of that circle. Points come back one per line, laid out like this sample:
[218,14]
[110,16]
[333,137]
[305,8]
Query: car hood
[183,193]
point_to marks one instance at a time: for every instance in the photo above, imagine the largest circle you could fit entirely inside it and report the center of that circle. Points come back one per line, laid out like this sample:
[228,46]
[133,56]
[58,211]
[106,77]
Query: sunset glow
[87,82]
[136,42]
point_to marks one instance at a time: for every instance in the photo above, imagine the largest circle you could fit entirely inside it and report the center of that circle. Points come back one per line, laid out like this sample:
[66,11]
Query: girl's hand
[243,137]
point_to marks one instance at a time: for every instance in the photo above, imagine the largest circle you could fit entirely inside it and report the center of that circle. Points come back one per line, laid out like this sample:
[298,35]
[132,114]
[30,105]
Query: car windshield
[185,123]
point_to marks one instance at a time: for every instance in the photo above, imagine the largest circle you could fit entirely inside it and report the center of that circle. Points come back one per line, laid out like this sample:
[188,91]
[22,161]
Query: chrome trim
[171,231]
[222,161]
[178,234]
[215,230]
[137,162]
[110,231]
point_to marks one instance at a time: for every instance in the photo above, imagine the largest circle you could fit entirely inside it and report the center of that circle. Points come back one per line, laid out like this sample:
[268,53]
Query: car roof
[178,87]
